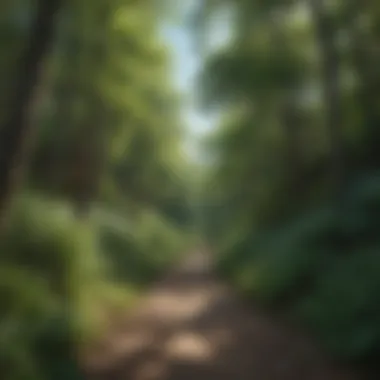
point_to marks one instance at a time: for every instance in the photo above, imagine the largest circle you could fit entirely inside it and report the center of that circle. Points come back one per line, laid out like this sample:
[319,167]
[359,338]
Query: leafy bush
[324,266]
[58,276]
[272,265]
[35,274]
[163,240]
[342,307]
[139,253]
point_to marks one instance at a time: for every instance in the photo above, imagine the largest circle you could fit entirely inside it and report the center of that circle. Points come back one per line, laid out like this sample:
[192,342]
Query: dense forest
[292,203]
[93,196]
[98,198]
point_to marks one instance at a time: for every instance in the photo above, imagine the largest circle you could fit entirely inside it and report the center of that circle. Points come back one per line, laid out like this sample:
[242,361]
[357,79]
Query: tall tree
[330,61]
[17,131]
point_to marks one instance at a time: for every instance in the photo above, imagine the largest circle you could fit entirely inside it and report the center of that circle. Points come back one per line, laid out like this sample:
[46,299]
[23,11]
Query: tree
[326,37]
[17,128]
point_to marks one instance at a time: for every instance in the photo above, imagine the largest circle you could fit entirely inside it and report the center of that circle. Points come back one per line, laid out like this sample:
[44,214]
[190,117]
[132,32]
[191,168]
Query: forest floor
[193,327]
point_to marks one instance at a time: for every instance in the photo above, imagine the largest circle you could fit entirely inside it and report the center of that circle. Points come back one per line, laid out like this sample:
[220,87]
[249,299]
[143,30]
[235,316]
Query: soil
[193,327]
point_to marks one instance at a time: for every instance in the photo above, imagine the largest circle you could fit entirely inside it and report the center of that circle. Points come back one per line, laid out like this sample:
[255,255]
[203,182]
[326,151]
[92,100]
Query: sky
[186,65]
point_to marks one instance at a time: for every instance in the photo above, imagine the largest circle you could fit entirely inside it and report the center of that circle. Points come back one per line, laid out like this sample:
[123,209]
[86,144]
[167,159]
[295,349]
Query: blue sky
[186,64]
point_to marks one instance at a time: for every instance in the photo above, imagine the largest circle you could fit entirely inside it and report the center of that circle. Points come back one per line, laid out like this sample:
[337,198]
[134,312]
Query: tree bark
[294,156]
[16,132]
[365,66]
[288,114]
[325,34]
[89,162]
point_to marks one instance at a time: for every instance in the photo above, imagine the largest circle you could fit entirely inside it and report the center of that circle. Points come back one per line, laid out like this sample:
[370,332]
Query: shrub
[36,264]
[342,308]
[59,275]
[324,267]
[140,253]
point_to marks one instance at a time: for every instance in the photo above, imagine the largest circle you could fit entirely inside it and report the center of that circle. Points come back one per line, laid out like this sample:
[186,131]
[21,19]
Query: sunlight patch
[189,346]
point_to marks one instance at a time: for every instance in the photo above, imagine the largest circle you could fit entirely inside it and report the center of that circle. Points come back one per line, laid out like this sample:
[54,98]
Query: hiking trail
[193,327]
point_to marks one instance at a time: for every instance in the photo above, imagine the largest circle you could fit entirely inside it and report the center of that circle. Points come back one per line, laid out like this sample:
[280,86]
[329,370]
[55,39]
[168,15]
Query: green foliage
[34,285]
[107,134]
[46,229]
[58,274]
[323,267]
[138,255]
[289,203]
[341,309]
[275,263]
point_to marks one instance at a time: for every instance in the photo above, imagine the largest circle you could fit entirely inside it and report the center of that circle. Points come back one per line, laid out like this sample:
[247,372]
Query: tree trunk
[325,34]
[16,132]
[365,66]
[88,160]
[294,154]
[288,114]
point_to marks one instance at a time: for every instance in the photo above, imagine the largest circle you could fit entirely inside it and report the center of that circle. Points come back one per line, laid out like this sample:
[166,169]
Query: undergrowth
[323,267]
[60,276]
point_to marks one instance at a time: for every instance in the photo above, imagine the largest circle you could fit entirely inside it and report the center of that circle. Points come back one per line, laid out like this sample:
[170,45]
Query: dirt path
[191,327]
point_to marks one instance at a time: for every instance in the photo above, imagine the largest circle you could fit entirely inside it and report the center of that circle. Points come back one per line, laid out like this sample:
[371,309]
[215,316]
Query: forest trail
[192,327]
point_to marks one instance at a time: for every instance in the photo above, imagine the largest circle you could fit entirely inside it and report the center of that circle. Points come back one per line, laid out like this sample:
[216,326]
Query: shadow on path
[191,327]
